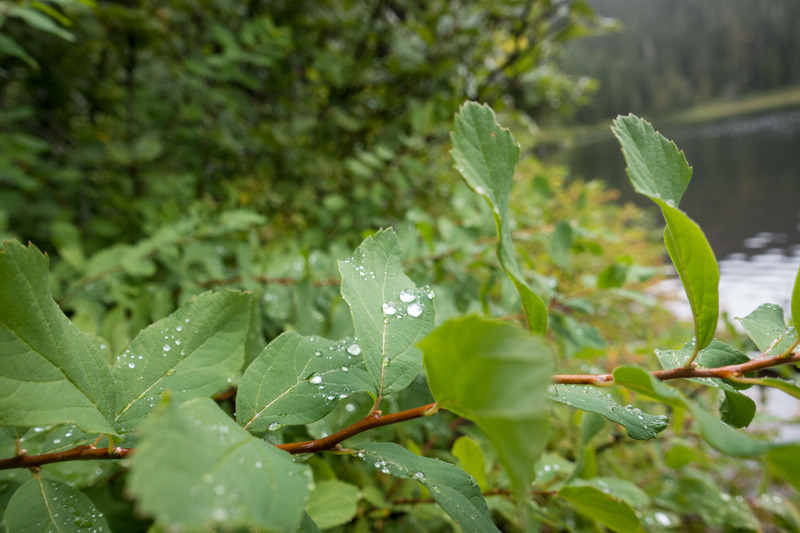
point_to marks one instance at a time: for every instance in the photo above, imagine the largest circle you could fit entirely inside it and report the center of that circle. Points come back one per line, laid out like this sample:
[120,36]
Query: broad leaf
[485,156]
[766,327]
[332,503]
[298,380]
[796,302]
[470,455]
[496,375]
[454,489]
[659,171]
[789,387]
[612,512]
[640,425]
[45,505]
[389,313]
[195,467]
[718,434]
[194,352]
[783,462]
[50,372]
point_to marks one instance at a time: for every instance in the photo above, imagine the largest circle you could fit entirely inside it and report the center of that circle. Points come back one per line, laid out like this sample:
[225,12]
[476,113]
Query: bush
[419,393]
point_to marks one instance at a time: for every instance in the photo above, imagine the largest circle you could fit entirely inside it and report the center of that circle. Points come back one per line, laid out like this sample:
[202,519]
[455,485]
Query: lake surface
[744,194]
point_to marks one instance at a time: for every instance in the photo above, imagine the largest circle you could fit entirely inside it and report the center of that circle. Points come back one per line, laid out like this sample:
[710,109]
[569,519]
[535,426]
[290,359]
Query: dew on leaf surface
[316,379]
[389,308]
[415,309]
[408,296]
[355,349]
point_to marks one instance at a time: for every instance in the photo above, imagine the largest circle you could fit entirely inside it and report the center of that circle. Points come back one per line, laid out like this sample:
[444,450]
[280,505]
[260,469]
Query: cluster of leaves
[489,432]
[270,106]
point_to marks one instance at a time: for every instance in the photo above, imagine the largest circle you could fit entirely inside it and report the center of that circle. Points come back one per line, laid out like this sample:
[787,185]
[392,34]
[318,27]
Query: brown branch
[376,419]
[79,453]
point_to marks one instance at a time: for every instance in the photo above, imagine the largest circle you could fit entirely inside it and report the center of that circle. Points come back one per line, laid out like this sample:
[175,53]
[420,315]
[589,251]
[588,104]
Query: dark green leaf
[592,399]
[195,467]
[50,372]
[196,351]
[45,505]
[783,462]
[389,313]
[496,375]
[485,156]
[298,380]
[454,489]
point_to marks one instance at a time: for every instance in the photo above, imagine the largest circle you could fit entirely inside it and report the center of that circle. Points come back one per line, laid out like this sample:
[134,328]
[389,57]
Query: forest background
[160,149]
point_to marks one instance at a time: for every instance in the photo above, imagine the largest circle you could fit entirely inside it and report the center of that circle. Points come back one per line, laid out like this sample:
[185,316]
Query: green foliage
[398,414]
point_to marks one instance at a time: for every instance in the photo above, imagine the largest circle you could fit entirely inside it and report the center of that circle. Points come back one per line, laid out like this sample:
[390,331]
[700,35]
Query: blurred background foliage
[161,149]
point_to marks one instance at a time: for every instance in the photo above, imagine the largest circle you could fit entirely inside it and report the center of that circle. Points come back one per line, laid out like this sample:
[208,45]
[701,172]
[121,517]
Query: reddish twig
[79,453]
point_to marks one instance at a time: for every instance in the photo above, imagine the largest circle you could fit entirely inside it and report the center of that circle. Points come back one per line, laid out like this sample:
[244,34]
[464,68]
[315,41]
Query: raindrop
[167,347]
[355,349]
[179,328]
[317,353]
[316,379]
[349,407]
[663,519]
[131,365]
[389,308]
[414,309]
[407,296]
[273,426]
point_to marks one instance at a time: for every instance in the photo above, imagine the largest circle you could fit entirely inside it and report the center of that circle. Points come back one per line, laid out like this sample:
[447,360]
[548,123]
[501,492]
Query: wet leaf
[45,505]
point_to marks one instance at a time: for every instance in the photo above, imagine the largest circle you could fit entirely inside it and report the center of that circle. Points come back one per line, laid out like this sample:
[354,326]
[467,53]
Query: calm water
[744,193]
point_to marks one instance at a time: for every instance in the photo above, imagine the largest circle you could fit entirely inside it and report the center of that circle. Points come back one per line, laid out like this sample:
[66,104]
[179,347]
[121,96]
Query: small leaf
[659,171]
[50,372]
[766,327]
[640,425]
[485,156]
[617,487]
[298,380]
[612,276]
[389,313]
[783,462]
[11,48]
[496,375]
[470,455]
[196,351]
[560,243]
[718,434]
[45,505]
[737,410]
[454,489]
[595,504]
[332,503]
[195,467]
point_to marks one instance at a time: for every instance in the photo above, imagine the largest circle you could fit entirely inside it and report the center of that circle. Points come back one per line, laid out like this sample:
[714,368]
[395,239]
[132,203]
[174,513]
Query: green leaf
[332,503]
[485,156]
[298,380]
[789,387]
[196,351]
[737,410]
[389,313]
[469,454]
[195,467]
[39,21]
[612,512]
[783,462]
[656,168]
[454,489]
[560,243]
[45,505]
[495,375]
[617,487]
[10,47]
[766,327]
[50,372]
[612,276]
[640,425]
[718,434]
[659,171]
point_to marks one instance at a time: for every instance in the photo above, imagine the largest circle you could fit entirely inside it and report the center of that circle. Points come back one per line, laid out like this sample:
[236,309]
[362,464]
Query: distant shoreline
[571,136]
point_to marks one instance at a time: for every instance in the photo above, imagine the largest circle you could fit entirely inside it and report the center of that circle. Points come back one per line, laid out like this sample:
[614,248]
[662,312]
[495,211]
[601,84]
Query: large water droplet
[414,309]
[355,349]
[408,296]
[389,308]
[316,379]
[273,426]
[167,347]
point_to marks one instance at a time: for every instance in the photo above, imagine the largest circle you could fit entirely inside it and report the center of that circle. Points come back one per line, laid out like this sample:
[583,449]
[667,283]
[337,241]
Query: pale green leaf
[612,512]
[298,380]
[454,489]
[50,372]
[45,505]
[389,313]
[659,171]
[196,351]
[718,434]
[195,467]
[656,168]
[332,503]
[496,375]
[619,488]
[766,327]
[470,455]
[485,156]
[589,398]
[39,21]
